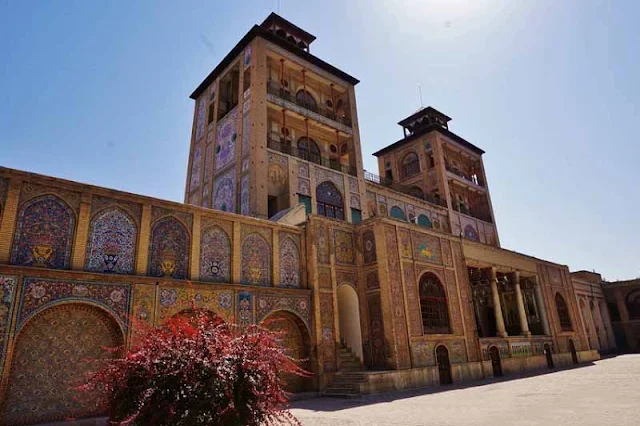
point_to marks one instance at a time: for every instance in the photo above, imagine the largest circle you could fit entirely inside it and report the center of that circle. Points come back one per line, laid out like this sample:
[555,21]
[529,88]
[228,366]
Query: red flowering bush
[196,370]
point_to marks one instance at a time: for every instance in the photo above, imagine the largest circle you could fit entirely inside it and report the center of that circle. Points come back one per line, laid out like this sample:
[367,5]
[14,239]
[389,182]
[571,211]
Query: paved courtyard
[606,392]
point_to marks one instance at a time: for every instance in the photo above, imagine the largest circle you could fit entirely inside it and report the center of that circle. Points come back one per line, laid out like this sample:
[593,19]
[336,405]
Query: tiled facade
[409,285]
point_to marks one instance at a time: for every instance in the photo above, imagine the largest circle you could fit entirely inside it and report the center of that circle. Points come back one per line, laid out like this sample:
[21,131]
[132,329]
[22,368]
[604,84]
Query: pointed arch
[306,99]
[409,165]
[470,233]
[433,305]
[563,313]
[329,200]
[44,233]
[169,249]
[289,263]
[424,221]
[256,260]
[112,242]
[397,213]
[309,150]
[215,255]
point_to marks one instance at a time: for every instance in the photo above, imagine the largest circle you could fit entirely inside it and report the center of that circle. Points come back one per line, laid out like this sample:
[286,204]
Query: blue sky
[98,92]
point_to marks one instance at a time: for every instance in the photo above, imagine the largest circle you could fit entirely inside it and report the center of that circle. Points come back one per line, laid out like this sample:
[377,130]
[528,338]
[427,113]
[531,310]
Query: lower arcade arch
[349,319]
[295,339]
[50,360]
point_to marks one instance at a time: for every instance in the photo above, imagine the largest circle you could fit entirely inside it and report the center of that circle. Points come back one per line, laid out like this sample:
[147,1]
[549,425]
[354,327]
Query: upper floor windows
[410,165]
[563,313]
[329,201]
[305,99]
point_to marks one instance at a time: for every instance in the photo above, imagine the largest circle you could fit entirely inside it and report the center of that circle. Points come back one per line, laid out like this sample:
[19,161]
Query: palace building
[382,281]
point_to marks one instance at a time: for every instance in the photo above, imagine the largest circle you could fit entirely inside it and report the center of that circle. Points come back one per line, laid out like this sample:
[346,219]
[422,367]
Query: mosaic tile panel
[323,175]
[112,241]
[173,300]
[224,192]
[46,368]
[215,255]
[397,299]
[322,243]
[206,196]
[169,249]
[303,169]
[99,203]
[355,201]
[244,195]
[161,212]
[446,252]
[426,248]
[344,277]
[289,262]
[142,310]
[245,309]
[454,303]
[373,282]
[201,118]
[465,292]
[226,138]
[413,300]
[344,249]
[277,171]
[44,233]
[470,233]
[324,278]
[269,303]
[256,260]
[304,187]
[327,339]
[40,293]
[369,247]
[422,354]
[353,185]
[405,243]
[31,190]
[196,167]
[8,286]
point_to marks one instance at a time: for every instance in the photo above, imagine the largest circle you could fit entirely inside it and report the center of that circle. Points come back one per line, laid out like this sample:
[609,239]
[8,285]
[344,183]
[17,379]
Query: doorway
[349,319]
[444,366]
[496,365]
[548,355]
[572,348]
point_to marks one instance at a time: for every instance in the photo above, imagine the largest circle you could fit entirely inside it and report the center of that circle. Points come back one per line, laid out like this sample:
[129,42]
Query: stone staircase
[346,382]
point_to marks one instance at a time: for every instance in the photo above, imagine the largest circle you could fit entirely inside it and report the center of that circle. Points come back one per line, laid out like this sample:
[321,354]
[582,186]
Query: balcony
[285,99]
[276,144]
[370,177]
[411,169]
[474,179]
[470,212]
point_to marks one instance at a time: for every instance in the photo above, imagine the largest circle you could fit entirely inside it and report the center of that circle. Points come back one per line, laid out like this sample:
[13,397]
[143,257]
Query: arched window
[417,192]
[563,313]
[329,201]
[410,165]
[433,305]
[470,233]
[397,213]
[308,149]
[306,100]
[424,221]
[633,304]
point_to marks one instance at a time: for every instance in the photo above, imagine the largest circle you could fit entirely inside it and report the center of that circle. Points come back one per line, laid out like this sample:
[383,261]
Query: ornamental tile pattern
[46,368]
[322,243]
[169,249]
[289,262]
[304,187]
[256,260]
[426,247]
[112,240]
[327,338]
[208,162]
[196,167]
[244,195]
[8,286]
[173,300]
[99,203]
[355,201]
[369,246]
[376,332]
[470,233]
[269,303]
[226,138]
[246,133]
[224,192]
[323,175]
[160,212]
[202,112]
[143,306]
[303,169]
[353,185]
[215,255]
[31,190]
[344,249]
[44,233]
[41,293]
[245,309]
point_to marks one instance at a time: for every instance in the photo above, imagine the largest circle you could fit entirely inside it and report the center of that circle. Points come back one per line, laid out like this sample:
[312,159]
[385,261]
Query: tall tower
[434,164]
[275,126]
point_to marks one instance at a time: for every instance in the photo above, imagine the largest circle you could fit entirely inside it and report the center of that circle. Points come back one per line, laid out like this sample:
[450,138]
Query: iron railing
[474,179]
[304,154]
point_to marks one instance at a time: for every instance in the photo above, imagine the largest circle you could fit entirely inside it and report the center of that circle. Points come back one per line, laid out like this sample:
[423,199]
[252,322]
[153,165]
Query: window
[307,203]
[356,216]
[424,221]
[633,304]
[563,313]
[329,201]
[397,213]
[309,150]
[433,306]
[304,99]
[229,87]
[410,165]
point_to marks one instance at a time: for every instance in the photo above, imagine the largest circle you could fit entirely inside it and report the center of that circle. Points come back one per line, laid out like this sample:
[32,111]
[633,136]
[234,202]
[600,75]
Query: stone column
[542,308]
[522,314]
[497,309]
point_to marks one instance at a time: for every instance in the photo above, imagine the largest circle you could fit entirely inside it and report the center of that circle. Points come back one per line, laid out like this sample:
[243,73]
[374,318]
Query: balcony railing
[402,188]
[469,211]
[474,179]
[275,89]
[410,169]
[304,154]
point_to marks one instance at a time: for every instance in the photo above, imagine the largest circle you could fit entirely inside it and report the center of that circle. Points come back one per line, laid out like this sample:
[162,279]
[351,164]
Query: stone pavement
[606,392]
